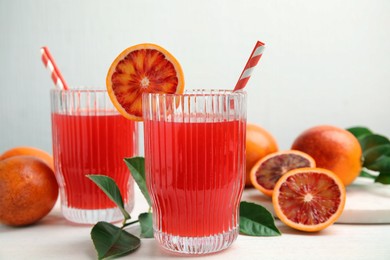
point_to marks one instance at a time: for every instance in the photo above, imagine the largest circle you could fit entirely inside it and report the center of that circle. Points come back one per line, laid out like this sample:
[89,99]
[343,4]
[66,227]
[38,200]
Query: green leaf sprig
[376,154]
[111,241]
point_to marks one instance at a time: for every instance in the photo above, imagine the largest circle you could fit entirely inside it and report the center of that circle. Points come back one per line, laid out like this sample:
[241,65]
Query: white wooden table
[56,238]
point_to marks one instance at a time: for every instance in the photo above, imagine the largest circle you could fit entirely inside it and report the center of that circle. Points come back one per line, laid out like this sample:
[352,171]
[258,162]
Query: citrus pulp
[142,68]
[267,171]
[309,199]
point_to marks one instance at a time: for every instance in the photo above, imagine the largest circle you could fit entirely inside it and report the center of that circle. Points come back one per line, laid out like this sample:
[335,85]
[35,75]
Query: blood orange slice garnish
[142,68]
[267,171]
[309,199]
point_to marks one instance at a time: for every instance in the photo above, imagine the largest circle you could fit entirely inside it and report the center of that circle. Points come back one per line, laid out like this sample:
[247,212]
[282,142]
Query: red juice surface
[195,175]
[92,144]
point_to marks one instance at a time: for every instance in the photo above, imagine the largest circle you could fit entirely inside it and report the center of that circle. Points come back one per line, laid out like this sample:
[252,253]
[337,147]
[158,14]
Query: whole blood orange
[28,190]
[27,150]
[142,68]
[268,170]
[309,199]
[334,149]
[259,143]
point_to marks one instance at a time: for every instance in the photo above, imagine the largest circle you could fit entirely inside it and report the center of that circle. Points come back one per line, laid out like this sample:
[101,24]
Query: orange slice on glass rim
[142,68]
[268,170]
[309,199]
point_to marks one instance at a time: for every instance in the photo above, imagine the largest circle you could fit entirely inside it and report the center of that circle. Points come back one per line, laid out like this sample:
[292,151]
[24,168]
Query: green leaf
[111,241]
[136,166]
[383,177]
[255,220]
[382,164]
[375,158]
[359,131]
[110,188]
[372,140]
[372,154]
[146,222]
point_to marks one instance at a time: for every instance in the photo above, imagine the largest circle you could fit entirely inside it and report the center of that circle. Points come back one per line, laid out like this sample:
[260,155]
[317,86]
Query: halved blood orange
[267,171]
[142,68]
[309,199]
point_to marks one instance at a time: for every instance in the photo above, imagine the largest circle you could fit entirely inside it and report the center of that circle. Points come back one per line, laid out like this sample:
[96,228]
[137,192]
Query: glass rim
[80,89]
[199,92]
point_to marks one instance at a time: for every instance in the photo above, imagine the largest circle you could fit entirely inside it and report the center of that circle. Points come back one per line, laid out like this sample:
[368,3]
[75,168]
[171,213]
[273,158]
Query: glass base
[196,245]
[92,216]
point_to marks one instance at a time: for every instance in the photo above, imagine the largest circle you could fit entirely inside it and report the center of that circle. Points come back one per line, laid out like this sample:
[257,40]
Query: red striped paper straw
[250,65]
[50,64]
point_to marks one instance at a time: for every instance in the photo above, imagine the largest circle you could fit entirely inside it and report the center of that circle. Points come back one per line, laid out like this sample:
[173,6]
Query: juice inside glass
[91,137]
[195,167]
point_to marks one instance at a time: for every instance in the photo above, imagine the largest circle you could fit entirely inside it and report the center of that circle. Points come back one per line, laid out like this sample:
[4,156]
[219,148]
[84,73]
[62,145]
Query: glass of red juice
[195,167]
[90,137]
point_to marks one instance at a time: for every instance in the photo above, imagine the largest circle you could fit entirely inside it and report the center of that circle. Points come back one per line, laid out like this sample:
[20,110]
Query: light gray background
[326,62]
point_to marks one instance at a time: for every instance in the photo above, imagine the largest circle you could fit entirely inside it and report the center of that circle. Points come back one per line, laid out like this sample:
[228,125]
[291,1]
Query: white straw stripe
[258,51]
[247,73]
[50,65]
[59,84]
